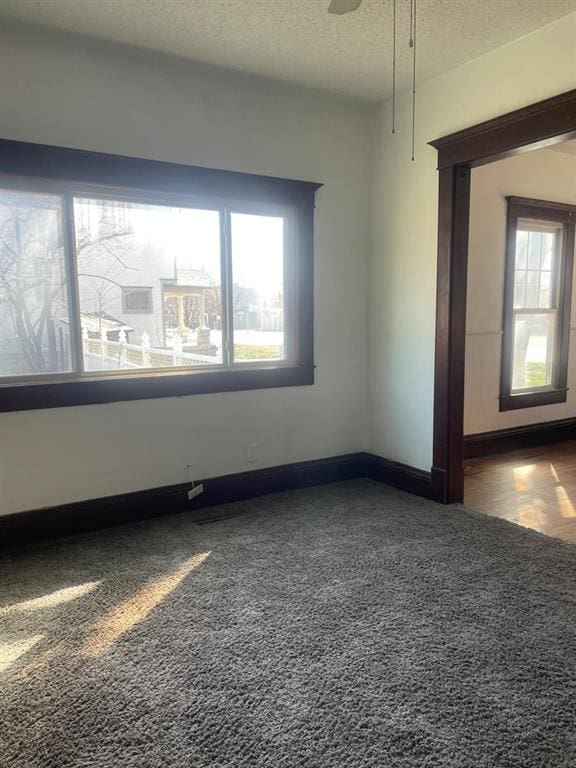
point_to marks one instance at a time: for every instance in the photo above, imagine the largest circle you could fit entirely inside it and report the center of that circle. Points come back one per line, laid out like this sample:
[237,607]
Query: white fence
[124,355]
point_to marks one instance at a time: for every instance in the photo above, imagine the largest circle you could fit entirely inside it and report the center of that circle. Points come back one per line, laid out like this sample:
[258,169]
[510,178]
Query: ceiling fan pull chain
[413,46]
[393,66]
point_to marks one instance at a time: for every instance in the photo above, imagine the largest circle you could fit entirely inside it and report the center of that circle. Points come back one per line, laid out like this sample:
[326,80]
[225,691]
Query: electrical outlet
[251,453]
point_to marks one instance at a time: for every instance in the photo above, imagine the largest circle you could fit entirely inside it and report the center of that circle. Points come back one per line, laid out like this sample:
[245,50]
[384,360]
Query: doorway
[543,124]
[520,370]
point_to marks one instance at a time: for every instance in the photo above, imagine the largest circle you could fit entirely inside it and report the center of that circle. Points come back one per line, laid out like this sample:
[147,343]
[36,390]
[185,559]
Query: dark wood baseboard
[401,476]
[439,483]
[108,511]
[528,436]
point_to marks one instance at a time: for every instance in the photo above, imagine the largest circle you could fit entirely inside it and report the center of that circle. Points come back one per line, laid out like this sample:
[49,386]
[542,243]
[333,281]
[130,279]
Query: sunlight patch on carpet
[10,652]
[125,616]
[52,599]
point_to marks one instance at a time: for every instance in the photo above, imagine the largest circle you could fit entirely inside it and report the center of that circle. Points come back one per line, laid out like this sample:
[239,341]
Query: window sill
[532,399]
[26,397]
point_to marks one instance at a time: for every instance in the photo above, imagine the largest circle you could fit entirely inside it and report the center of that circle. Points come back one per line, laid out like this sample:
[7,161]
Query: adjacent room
[519,406]
[287,419]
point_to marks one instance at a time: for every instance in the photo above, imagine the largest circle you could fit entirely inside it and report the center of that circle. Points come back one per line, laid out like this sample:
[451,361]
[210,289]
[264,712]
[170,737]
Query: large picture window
[537,302]
[187,281]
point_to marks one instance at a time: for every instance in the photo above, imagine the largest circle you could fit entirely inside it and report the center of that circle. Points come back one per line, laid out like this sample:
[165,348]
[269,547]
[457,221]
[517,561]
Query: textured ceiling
[297,40]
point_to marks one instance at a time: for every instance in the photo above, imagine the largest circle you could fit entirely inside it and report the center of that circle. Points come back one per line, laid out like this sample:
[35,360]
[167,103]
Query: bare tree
[33,281]
[101,265]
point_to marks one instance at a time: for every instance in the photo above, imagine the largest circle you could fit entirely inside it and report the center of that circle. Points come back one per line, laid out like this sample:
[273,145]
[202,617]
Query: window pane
[545,286]
[534,249]
[520,289]
[173,253]
[521,248]
[258,276]
[548,239]
[34,319]
[533,351]
[532,288]
[536,252]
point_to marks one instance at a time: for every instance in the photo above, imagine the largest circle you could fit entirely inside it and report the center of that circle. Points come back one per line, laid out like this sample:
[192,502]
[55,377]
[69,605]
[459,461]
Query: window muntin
[179,254]
[34,286]
[537,267]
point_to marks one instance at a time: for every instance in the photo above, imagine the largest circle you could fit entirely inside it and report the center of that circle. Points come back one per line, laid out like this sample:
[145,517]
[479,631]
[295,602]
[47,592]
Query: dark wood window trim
[538,210]
[532,127]
[70,167]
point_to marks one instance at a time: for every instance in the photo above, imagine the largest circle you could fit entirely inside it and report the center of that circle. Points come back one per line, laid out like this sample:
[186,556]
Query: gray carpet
[349,625]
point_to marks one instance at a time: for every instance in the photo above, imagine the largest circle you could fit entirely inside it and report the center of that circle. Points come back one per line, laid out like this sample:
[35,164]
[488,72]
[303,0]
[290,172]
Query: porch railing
[126,355]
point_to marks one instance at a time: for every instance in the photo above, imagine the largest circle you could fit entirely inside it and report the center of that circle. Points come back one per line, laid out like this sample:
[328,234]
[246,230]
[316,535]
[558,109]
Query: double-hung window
[123,279]
[538,289]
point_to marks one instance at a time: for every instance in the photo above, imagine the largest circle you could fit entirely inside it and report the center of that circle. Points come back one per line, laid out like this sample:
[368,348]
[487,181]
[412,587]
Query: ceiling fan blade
[340,7]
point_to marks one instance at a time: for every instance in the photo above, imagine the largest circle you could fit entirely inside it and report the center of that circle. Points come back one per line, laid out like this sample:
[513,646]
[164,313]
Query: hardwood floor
[535,487]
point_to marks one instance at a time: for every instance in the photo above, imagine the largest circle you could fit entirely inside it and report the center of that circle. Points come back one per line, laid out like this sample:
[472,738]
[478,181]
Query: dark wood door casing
[547,122]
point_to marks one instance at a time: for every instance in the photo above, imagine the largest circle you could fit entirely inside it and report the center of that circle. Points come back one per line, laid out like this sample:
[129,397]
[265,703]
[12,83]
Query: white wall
[405,198]
[545,175]
[59,90]
[62,90]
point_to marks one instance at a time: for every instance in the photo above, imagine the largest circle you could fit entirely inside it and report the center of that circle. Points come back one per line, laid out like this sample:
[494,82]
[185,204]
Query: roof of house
[97,321]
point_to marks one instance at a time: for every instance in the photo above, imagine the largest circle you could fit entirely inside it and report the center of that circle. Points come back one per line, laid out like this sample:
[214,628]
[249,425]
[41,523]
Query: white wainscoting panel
[482,388]
[482,381]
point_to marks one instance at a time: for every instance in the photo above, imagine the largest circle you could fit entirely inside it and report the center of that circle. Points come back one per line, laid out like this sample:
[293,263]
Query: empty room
[519,407]
[287,415]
